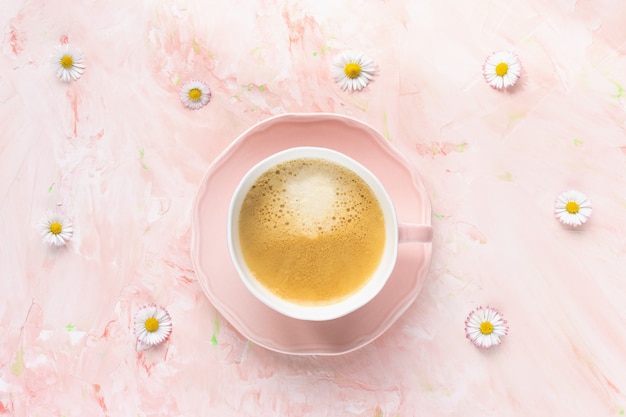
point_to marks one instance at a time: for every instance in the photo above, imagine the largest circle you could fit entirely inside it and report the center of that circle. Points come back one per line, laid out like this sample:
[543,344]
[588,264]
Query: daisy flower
[502,69]
[153,325]
[484,327]
[195,94]
[353,70]
[572,208]
[55,229]
[69,63]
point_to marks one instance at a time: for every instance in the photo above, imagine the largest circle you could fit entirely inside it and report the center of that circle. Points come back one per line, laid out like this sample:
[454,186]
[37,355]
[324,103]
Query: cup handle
[409,232]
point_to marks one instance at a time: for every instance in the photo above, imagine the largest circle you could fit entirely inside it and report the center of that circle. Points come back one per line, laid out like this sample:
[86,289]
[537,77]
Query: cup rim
[321,312]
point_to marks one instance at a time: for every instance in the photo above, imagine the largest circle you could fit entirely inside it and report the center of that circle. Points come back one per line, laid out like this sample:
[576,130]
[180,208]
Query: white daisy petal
[475,320]
[353,70]
[474,333]
[499,330]
[485,336]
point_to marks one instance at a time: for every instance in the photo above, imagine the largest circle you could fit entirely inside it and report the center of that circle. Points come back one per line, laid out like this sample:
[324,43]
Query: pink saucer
[218,277]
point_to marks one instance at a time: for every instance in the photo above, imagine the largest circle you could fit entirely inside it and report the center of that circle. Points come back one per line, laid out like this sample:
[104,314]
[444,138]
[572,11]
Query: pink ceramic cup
[395,234]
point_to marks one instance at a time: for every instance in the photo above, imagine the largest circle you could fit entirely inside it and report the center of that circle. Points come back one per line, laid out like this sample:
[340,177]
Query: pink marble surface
[118,153]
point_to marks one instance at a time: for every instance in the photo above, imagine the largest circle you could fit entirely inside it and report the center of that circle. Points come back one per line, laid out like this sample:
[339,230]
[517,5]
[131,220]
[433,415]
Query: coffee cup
[313,234]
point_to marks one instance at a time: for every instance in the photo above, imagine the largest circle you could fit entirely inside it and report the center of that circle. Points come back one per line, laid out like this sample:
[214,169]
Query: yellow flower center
[486,327]
[195,94]
[572,207]
[67,62]
[352,70]
[152,324]
[56,228]
[501,69]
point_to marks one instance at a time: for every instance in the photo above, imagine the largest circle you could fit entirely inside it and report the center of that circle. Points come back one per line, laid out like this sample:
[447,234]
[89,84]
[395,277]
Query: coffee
[311,231]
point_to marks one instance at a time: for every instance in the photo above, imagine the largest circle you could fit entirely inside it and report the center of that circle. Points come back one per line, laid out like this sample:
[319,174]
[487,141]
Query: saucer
[216,272]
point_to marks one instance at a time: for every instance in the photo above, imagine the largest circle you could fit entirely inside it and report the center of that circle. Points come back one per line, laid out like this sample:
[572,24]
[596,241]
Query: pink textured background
[119,153]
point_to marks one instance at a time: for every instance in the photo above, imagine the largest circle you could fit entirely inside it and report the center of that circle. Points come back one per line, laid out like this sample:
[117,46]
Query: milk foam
[311,199]
[308,197]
